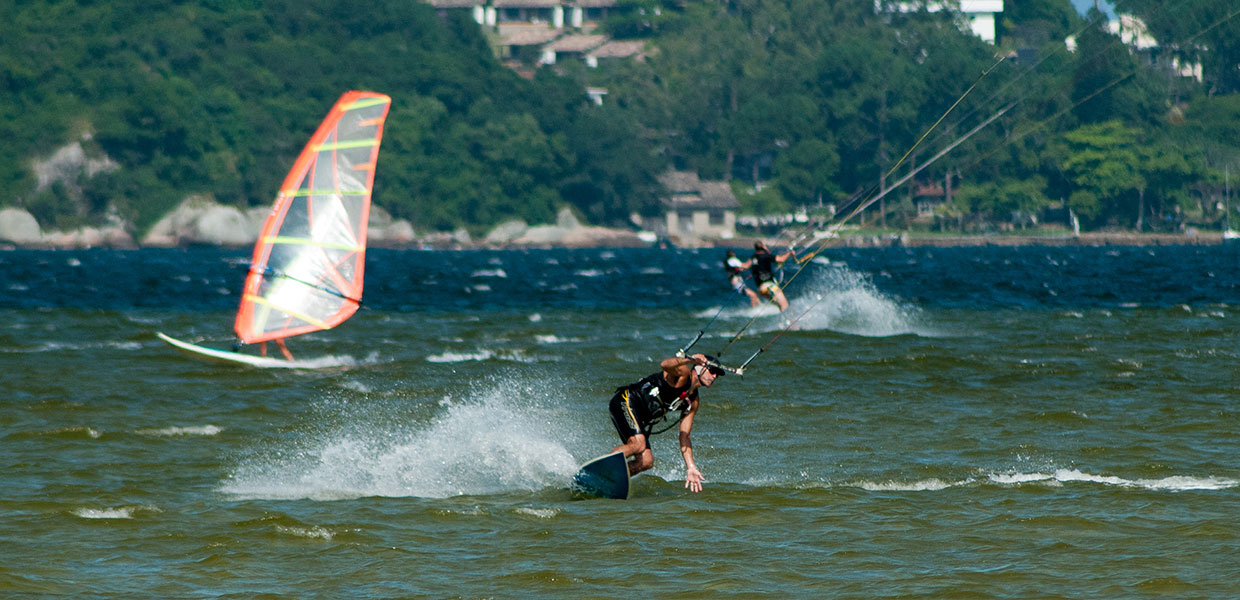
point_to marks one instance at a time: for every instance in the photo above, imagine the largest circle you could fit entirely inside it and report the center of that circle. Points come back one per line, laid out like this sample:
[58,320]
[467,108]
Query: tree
[1104,69]
[218,97]
[806,172]
[1017,201]
[614,166]
[1032,23]
[1166,173]
[1103,160]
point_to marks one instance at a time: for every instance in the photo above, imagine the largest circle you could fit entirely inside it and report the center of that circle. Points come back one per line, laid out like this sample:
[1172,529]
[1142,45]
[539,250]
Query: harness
[661,400]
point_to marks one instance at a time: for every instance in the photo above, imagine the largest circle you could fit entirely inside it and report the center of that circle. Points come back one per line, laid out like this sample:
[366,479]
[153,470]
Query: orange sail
[306,272]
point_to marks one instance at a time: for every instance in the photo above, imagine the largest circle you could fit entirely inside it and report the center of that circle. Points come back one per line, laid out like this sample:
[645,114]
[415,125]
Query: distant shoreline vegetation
[116,125]
[580,236]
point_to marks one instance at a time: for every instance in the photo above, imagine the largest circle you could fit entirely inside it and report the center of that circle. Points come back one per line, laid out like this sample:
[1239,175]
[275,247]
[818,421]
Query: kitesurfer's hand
[694,479]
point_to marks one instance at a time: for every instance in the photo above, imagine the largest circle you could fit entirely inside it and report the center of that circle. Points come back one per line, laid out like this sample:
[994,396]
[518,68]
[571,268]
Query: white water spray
[504,439]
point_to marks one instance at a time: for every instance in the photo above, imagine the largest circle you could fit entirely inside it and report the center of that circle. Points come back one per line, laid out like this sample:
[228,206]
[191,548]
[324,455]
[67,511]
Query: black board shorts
[625,418]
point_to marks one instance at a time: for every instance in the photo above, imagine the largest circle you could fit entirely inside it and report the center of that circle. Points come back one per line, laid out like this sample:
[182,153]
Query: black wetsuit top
[656,398]
[763,260]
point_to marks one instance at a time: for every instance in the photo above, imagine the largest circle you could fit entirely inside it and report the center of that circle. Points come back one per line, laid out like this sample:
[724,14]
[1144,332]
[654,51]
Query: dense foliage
[811,102]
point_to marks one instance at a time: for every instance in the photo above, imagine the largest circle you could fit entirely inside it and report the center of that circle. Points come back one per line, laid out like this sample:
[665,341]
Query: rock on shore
[19,227]
[568,232]
[201,221]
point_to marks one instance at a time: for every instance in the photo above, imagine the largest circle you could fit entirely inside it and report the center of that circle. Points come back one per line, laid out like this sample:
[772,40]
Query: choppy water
[942,423]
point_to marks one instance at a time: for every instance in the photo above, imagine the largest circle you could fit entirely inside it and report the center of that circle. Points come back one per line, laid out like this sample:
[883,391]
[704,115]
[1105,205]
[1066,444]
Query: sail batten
[309,261]
[306,242]
[305,193]
[345,145]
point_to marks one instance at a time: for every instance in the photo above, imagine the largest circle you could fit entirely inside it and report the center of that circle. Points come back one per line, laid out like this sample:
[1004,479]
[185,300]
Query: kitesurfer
[735,268]
[672,393]
[761,264]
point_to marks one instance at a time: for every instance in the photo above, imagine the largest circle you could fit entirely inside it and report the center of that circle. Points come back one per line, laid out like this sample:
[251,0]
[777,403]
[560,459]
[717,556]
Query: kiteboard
[605,477]
[223,356]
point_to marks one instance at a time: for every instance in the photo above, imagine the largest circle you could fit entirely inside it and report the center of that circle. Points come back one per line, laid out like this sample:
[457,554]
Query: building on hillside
[980,14]
[595,94]
[524,47]
[929,196]
[476,9]
[617,49]
[526,33]
[570,46]
[697,209]
[1133,32]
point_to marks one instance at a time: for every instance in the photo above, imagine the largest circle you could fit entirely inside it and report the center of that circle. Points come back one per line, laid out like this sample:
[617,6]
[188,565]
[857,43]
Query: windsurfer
[672,393]
[760,264]
[735,268]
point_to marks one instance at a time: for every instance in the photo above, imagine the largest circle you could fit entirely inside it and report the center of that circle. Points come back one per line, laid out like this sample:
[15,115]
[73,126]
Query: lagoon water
[938,423]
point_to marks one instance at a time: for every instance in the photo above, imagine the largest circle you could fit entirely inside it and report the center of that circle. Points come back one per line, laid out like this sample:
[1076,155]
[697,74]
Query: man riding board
[672,393]
[760,264]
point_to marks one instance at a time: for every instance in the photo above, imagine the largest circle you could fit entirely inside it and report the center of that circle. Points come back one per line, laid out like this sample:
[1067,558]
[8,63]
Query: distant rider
[736,270]
[761,265]
[671,393]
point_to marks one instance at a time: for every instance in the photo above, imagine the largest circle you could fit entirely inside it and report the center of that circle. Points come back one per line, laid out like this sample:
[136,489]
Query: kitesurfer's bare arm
[677,370]
[693,477]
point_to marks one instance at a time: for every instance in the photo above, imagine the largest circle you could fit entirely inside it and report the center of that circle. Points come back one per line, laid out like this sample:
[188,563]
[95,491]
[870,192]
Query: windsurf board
[224,356]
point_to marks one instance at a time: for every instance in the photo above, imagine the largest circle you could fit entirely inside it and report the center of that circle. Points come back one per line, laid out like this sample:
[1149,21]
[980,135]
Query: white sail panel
[307,269]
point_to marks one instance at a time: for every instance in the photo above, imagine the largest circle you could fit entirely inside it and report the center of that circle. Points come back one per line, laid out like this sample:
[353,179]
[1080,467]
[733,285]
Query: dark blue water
[411,280]
[986,423]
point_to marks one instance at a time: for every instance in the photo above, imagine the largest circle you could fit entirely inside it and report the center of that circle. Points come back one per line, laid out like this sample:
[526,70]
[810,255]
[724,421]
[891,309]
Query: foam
[317,533]
[1058,478]
[480,355]
[846,301]
[174,431]
[124,512]
[836,299]
[498,441]
[1062,476]
[541,513]
[926,485]
[499,273]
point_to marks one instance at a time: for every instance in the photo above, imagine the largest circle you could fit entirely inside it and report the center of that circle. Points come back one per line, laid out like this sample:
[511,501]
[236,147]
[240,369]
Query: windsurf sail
[307,269]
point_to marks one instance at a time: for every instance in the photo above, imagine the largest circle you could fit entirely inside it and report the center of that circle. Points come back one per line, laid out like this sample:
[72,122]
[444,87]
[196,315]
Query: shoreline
[888,240]
[1084,239]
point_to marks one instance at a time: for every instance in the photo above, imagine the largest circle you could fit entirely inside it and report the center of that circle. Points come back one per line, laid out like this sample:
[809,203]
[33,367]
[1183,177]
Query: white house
[981,14]
[698,209]
[1133,32]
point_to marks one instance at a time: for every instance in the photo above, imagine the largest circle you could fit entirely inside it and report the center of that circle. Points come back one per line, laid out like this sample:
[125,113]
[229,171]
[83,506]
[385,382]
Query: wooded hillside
[816,101]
